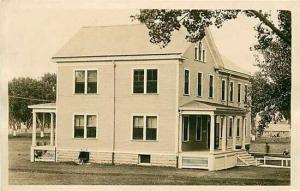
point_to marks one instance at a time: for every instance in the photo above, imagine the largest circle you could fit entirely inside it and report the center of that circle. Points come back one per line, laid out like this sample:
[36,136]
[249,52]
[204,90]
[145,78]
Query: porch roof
[197,105]
[43,106]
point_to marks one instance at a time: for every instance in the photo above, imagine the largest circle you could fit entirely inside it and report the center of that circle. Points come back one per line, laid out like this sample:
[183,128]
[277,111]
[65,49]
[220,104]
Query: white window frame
[239,93]
[238,127]
[213,84]
[145,80]
[144,115]
[189,86]
[201,84]
[225,89]
[231,82]
[188,131]
[85,127]
[200,130]
[85,80]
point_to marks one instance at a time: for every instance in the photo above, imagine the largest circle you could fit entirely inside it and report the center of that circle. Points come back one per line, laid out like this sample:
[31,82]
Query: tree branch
[271,25]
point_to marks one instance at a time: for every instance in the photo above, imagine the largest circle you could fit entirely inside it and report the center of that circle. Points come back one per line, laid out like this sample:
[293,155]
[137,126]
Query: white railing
[282,162]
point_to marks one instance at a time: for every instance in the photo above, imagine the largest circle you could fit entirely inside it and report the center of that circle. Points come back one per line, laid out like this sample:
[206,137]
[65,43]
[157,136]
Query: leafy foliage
[27,91]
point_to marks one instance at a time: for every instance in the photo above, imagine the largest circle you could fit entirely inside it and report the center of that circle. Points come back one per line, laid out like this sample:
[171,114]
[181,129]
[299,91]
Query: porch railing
[276,162]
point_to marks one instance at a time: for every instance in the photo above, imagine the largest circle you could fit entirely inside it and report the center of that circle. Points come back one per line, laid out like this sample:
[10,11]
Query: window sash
[196,53]
[80,81]
[186,82]
[246,93]
[138,128]
[92,81]
[211,86]
[231,91]
[85,126]
[151,127]
[152,80]
[144,128]
[199,85]
[79,126]
[238,127]
[239,93]
[223,91]
[138,81]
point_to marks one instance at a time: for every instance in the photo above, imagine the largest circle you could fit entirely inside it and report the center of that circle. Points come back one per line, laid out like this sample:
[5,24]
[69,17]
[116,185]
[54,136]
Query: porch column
[212,134]
[180,134]
[234,133]
[243,133]
[51,130]
[224,135]
[33,129]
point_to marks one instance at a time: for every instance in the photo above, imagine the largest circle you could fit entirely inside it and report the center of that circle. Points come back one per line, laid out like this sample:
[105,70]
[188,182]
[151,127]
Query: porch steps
[245,159]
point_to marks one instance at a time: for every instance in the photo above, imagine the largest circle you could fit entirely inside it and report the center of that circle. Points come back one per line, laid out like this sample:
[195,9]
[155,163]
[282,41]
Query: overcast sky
[33,35]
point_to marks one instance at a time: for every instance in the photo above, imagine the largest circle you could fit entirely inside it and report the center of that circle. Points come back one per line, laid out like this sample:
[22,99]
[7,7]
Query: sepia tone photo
[148,96]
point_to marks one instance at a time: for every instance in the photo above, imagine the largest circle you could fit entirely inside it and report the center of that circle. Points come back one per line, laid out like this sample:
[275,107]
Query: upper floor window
[85,126]
[231,91]
[246,93]
[199,84]
[144,128]
[200,53]
[145,80]
[223,90]
[239,93]
[186,82]
[85,81]
[211,86]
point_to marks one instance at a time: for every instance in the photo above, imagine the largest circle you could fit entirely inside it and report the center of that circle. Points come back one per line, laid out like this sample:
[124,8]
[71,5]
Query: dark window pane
[238,128]
[203,55]
[186,81]
[92,81]
[223,89]
[137,133]
[185,128]
[196,53]
[151,127]
[246,93]
[152,81]
[239,92]
[79,81]
[78,126]
[79,133]
[145,159]
[91,132]
[151,134]
[138,124]
[138,81]
[199,84]
[231,91]
[211,86]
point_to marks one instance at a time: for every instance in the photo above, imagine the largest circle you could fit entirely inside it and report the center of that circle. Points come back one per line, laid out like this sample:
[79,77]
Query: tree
[27,91]
[271,85]
[162,23]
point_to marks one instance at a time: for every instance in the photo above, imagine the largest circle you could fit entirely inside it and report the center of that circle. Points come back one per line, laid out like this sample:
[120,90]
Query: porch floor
[205,152]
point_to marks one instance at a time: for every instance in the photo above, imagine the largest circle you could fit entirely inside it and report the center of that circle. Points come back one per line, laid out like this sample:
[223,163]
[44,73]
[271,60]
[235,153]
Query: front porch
[43,151]
[211,135]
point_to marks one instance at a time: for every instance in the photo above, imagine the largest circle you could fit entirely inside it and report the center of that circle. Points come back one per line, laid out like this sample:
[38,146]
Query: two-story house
[123,100]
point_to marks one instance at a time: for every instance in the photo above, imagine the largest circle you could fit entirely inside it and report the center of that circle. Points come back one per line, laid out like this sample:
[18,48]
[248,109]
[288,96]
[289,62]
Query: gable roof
[119,40]
[229,65]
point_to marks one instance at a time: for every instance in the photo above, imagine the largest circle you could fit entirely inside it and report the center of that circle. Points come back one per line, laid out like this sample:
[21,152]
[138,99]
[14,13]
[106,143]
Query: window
[186,82]
[138,127]
[151,127]
[152,81]
[222,123]
[145,81]
[85,81]
[79,126]
[231,91]
[246,129]
[92,81]
[91,123]
[138,81]
[198,128]
[144,128]
[230,127]
[203,56]
[85,126]
[196,53]
[199,84]
[246,93]
[144,159]
[223,90]
[211,86]
[79,81]
[185,128]
[238,127]
[239,93]
[200,51]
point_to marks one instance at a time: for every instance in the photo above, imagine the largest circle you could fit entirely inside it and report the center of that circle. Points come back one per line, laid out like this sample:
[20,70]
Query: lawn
[22,171]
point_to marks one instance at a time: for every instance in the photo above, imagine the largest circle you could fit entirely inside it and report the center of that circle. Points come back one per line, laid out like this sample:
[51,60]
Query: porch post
[212,133]
[51,130]
[224,135]
[180,133]
[234,133]
[33,143]
[243,133]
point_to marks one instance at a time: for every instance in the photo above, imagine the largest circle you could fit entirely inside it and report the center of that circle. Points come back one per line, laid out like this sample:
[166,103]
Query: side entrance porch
[212,136]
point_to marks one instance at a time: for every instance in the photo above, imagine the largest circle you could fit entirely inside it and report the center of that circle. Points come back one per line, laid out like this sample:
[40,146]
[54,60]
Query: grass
[22,171]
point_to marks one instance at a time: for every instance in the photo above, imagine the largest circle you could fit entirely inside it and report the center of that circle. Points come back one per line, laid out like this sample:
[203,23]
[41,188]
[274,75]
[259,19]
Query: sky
[33,35]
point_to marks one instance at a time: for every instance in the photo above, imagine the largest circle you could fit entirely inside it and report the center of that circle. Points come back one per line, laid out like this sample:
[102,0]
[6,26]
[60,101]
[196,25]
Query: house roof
[118,40]
[228,64]
[43,106]
[208,106]
[278,127]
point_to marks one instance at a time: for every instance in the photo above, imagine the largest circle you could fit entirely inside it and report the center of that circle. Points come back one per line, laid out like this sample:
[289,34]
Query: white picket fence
[282,162]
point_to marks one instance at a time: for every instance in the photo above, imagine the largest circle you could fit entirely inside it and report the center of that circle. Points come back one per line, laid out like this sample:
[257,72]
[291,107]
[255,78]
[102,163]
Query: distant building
[280,129]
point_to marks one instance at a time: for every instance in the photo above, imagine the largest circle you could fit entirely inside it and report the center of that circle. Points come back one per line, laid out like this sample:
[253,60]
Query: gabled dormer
[200,52]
